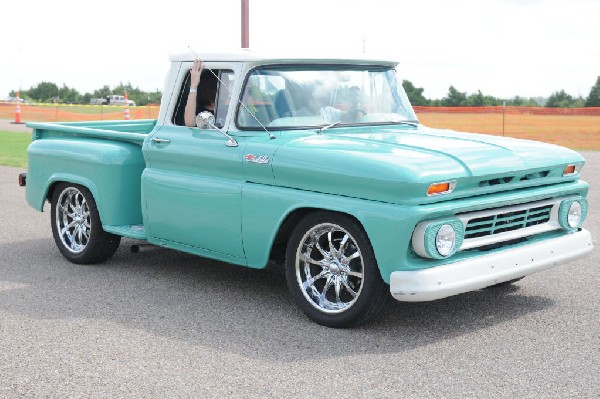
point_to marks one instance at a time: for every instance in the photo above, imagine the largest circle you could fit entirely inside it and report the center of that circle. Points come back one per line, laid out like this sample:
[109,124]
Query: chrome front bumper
[483,271]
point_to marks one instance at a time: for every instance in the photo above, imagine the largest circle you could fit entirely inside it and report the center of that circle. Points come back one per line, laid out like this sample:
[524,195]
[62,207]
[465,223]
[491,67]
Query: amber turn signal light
[441,188]
[570,170]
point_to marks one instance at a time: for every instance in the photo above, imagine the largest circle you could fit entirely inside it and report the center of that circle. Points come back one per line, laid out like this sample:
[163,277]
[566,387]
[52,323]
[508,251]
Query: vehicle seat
[283,104]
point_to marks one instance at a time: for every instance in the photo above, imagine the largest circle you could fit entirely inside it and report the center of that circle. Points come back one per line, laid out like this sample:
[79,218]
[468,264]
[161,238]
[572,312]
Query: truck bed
[133,131]
[104,156]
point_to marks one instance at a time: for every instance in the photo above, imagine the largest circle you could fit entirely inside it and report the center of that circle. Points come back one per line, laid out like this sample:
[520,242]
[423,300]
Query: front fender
[266,208]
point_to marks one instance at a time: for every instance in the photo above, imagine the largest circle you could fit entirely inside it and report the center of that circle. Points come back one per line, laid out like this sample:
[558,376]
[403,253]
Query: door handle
[160,141]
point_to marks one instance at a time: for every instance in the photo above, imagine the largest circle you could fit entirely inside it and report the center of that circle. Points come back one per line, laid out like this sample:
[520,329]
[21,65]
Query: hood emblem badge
[262,159]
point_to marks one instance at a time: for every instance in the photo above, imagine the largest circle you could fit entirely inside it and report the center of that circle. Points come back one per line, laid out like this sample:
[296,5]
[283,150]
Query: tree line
[50,92]
[456,98]
[47,92]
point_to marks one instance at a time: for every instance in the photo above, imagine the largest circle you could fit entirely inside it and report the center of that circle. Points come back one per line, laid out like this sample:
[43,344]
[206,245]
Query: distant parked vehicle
[98,101]
[112,100]
[15,99]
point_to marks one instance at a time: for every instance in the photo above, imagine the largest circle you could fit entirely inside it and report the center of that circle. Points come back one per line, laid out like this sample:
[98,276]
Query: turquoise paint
[128,131]
[193,211]
[111,170]
[398,164]
[431,233]
[192,189]
[196,195]
[136,231]
[389,226]
[563,213]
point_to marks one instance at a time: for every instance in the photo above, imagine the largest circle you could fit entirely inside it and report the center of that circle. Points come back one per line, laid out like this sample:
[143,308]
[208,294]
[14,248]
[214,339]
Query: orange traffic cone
[126,110]
[18,111]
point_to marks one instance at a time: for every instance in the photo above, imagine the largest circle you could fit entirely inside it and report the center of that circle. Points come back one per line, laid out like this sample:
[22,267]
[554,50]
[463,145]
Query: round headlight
[574,214]
[445,240]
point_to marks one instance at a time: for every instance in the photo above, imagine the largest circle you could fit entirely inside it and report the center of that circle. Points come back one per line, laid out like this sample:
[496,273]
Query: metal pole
[364,42]
[245,24]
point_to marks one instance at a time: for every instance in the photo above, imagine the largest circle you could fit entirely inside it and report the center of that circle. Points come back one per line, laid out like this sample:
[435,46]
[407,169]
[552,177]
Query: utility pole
[364,42]
[245,24]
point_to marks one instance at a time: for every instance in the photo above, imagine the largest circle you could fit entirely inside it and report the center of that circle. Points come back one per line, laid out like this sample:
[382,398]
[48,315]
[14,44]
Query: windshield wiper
[323,128]
[411,123]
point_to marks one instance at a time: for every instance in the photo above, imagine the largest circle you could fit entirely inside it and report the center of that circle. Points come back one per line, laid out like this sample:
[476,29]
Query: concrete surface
[8,125]
[165,324]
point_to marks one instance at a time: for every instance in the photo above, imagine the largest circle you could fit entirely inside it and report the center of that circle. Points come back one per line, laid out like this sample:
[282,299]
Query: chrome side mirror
[205,120]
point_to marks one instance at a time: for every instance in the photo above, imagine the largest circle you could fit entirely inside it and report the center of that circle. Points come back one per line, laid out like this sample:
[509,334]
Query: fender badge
[263,159]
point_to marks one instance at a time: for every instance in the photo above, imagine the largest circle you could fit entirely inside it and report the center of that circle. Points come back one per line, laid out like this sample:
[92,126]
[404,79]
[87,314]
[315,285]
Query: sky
[504,48]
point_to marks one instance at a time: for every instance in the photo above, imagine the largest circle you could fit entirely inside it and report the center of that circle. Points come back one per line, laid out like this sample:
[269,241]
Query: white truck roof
[252,57]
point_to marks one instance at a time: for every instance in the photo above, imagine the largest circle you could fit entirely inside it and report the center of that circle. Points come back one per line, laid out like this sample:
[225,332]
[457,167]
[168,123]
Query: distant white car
[15,99]
[112,100]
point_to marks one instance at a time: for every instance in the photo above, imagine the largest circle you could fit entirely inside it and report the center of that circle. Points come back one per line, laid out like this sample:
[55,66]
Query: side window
[178,114]
[214,88]
[224,96]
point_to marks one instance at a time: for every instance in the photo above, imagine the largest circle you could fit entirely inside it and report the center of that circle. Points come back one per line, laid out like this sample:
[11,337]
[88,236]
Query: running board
[136,231]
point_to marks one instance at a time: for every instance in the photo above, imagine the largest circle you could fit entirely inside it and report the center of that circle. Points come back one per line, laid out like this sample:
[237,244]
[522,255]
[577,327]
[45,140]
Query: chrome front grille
[492,226]
[507,221]
[515,178]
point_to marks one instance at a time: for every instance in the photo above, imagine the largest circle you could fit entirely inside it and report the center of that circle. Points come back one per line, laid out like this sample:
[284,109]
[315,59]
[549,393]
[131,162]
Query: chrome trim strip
[550,225]
[470,243]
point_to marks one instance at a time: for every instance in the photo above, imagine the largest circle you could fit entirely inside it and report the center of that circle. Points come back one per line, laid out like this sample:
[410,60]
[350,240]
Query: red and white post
[18,110]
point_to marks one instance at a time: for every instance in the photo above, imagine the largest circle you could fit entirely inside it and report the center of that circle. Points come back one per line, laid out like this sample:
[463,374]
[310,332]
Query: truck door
[192,191]
[192,185]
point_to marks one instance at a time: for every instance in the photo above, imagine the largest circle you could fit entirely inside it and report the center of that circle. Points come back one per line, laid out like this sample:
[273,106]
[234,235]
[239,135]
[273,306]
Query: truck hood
[397,164]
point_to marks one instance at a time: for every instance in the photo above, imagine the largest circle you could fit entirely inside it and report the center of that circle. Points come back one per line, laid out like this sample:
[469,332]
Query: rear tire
[332,273]
[76,226]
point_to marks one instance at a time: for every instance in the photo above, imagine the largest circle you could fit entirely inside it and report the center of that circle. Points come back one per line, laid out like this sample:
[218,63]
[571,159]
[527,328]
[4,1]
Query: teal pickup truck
[322,163]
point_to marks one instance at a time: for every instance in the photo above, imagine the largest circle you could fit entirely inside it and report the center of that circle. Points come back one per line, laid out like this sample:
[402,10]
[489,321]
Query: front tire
[76,226]
[332,273]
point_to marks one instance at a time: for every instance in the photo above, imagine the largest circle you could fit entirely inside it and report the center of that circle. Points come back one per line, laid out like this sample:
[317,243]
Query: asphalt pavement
[163,324]
[8,125]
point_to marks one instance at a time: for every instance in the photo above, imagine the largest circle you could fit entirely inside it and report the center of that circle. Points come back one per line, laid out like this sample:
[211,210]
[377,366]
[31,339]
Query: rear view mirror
[205,120]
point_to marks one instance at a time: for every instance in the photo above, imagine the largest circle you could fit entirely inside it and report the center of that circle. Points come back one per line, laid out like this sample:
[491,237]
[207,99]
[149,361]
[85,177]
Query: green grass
[13,148]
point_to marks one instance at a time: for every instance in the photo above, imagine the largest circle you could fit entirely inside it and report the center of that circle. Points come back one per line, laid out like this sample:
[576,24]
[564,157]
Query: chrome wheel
[76,225]
[73,222]
[329,268]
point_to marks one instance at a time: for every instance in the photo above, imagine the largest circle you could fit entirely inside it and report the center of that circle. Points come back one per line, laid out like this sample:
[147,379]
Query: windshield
[293,97]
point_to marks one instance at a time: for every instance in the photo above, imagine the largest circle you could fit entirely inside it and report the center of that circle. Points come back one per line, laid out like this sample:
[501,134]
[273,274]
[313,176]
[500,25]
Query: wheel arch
[267,224]
[290,221]
[58,178]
